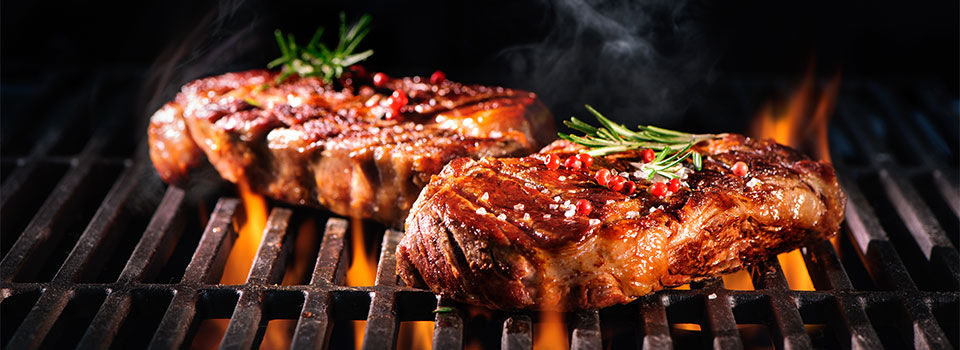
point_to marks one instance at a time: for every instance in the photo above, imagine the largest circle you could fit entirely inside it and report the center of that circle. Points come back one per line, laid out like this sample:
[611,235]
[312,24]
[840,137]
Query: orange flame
[801,124]
[739,280]
[248,239]
[415,335]
[362,271]
[551,332]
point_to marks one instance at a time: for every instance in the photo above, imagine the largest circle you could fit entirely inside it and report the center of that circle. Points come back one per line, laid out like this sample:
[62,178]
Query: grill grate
[111,257]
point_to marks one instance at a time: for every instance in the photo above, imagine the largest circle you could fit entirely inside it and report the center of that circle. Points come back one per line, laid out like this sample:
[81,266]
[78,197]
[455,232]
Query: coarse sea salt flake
[502,216]
[481,211]
[526,216]
[562,178]
[553,206]
[570,213]
[753,182]
[609,201]
[486,196]
[547,216]
[519,206]
[632,214]
[594,222]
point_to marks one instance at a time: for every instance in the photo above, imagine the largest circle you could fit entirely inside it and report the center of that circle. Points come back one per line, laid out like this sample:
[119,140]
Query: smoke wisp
[635,61]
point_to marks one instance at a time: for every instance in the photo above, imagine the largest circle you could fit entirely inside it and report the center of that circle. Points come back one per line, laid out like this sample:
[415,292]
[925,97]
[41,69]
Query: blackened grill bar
[894,281]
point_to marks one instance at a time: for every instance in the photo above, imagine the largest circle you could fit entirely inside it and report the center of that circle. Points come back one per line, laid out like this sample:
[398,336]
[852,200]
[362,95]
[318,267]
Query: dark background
[679,56]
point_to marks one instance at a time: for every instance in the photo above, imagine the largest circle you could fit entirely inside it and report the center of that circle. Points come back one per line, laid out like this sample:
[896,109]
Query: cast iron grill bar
[720,321]
[448,327]
[825,267]
[38,322]
[881,259]
[517,333]
[158,240]
[586,330]
[247,324]
[41,228]
[913,212]
[64,112]
[314,326]
[381,331]
[653,318]
[826,270]
[206,264]
[788,328]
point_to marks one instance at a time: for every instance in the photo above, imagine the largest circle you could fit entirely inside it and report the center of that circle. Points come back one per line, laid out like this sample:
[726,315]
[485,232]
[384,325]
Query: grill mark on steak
[305,143]
[627,246]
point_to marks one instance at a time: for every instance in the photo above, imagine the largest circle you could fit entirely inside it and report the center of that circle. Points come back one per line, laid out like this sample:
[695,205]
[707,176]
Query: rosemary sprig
[613,138]
[316,59]
[673,146]
[667,163]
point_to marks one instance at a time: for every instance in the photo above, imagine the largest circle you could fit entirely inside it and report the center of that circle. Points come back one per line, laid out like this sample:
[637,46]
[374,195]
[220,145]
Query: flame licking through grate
[801,122]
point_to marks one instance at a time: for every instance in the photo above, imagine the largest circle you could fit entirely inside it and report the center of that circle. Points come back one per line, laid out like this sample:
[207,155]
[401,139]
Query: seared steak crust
[499,232]
[305,142]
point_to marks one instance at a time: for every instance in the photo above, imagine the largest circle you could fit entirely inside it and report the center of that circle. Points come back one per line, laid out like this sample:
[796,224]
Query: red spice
[584,207]
[647,155]
[397,100]
[380,79]
[616,183]
[602,176]
[673,185]
[437,77]
[358,71]
[573,163]
[552,162]
[740,169]
[586,159]
[658,189]
[629,188]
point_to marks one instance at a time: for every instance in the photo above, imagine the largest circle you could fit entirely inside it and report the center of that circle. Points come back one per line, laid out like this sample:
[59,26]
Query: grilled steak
[347,149]
[504,233]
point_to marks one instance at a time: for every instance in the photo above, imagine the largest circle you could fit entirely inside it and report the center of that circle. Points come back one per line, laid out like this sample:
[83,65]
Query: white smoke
[635,61]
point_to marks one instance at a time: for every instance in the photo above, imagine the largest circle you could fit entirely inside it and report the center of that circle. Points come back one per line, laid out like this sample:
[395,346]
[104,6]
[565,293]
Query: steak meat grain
[504,233]
[346,149]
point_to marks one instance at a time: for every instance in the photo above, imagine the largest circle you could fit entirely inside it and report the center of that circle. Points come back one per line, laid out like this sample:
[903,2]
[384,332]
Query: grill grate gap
[15,309]
[948,318]
[890,321]
[147,309]
[89,195]
[19,208]
[73,321]
[906,247]
[925,185]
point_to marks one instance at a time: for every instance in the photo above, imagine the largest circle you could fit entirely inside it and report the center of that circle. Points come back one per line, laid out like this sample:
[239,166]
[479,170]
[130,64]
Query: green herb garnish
[315,59]
[673,147]
[614,138]
[443,310]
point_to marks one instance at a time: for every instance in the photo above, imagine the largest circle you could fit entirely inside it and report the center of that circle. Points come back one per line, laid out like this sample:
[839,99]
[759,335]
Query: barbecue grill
[99,253]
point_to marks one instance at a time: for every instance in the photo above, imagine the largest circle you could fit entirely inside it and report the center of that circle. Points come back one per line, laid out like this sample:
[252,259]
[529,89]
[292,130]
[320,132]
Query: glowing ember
[551,332]
[801,124]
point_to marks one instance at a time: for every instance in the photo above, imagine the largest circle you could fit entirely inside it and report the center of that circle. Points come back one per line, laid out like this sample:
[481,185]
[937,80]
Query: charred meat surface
[360,150]
[506,233]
